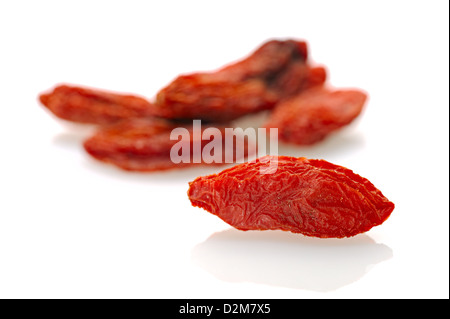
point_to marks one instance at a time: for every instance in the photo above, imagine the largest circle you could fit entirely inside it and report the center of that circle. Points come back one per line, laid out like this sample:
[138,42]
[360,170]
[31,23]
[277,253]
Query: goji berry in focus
[307,196]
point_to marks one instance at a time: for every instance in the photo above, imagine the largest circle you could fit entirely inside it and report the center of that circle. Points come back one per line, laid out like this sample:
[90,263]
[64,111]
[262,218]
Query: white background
[71,227]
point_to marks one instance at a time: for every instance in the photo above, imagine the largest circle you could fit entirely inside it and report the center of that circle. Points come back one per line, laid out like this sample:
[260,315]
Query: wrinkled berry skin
[308,196]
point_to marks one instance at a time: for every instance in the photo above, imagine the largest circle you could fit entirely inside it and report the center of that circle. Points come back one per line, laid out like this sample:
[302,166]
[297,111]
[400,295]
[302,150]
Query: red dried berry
[94,106]
[307,196]
[145,145]
[312,115]
[275,71]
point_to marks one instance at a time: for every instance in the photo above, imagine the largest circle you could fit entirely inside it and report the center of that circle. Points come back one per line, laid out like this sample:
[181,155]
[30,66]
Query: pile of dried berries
[312,197]
[134,132]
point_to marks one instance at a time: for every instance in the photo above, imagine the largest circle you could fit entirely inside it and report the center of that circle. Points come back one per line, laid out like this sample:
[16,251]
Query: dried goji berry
[144,144]
[310,116]
[95,106]
[275,71]
[308,196]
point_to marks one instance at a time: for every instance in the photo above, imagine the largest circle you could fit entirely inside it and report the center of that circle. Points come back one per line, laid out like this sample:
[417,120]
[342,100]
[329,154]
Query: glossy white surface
[73,227]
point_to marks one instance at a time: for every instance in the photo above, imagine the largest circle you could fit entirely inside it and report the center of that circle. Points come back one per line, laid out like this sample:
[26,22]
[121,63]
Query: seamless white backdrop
[74,228]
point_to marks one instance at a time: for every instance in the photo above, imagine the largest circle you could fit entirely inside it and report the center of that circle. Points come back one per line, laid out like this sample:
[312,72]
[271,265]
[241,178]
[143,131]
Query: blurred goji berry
[145,144]
[312,115]
[94,106]
[275,71]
